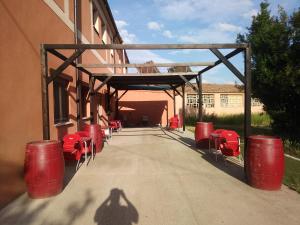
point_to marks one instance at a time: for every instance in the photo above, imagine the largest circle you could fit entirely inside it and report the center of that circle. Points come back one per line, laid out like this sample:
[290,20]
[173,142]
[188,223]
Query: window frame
[61,100]
[230,101]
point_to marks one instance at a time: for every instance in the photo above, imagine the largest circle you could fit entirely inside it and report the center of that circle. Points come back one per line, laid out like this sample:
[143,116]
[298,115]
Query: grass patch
[292,174]
[260,125]
[261,119]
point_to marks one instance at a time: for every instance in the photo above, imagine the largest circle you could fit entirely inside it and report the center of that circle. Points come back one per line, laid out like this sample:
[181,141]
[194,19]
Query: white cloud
[204,10]
[154,25]
[217,32]
[250,13]
[229,27]
[121,24]
[168,34]
[207,36]
[142,56]
[127,37]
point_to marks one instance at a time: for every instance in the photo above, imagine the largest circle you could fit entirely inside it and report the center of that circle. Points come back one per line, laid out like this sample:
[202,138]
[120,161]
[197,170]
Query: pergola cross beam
[228,56]
[144,65]
[169,94]
[229,65]
[123,75]
[64,65]
[147,46]
[189,83]
[103,83]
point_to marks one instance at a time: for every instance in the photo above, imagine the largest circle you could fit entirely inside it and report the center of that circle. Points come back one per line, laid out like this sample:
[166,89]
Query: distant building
[220,99]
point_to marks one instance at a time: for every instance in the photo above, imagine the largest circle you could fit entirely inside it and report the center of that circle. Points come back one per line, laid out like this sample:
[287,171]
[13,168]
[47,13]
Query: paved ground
[149,176]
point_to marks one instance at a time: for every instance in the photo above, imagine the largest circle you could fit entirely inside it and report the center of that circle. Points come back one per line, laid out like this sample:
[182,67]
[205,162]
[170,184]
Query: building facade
[25,26]
[220,99]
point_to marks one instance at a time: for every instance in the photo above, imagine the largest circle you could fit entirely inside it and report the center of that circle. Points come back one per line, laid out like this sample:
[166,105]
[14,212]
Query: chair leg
[92,147]
[85,153]
[77,165]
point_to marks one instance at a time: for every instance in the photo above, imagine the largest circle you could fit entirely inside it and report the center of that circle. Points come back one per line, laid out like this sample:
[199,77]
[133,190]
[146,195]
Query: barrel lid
[42,143]
[264,137]
[204,122]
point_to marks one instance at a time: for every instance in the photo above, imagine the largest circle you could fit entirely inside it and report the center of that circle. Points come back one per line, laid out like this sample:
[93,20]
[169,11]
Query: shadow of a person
[111,212]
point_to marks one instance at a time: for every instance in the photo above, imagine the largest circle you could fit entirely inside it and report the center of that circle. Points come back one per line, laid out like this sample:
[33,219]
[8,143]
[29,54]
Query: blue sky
[188,21]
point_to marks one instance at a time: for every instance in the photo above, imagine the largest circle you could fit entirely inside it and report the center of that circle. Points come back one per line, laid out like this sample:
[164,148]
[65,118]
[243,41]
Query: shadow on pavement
[231,168]
[112,212]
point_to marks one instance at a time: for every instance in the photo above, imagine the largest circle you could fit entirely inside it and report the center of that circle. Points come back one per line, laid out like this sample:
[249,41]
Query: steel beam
[77,75]
[168,94]
[229,65]
[189,83]
[135,65]
[122,95]
[175,89]
[64,58]
[64,65]
[183,107]
[145,74]
[228,56]
[102,84]
[174,103]
[247,109]
[92,95]
[44,89]
[200,109]
[117,105]
[147,46]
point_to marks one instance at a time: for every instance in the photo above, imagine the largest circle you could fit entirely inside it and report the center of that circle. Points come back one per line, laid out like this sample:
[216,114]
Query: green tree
[275,42]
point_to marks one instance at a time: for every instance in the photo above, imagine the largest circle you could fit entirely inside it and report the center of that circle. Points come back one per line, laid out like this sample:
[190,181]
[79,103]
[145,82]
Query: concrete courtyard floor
[152,176]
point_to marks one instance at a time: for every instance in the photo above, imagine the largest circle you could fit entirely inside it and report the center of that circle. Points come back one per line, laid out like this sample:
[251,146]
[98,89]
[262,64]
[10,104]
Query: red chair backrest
[83,133]
[230,146]
[71,141]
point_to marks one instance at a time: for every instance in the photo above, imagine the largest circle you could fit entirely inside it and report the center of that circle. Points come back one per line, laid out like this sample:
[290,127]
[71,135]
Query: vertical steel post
[92,102]
[200,109]
[247,105]
[174,102]
[117,105]
[44,89]
[183,107]
[108,99]
[77,74]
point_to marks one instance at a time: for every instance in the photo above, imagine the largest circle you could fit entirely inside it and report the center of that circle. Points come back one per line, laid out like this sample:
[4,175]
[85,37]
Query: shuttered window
[61,100]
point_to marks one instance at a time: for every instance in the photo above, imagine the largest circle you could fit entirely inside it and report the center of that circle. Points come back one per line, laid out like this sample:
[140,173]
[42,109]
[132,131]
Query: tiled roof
[218,88]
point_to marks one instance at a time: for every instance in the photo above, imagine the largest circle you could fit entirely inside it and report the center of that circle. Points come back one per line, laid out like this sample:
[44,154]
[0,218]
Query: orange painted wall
[156,105]
[24,26]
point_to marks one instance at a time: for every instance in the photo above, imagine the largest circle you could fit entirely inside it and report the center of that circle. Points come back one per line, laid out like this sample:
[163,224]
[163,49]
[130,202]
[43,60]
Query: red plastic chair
[86,143]
[174,122]
[75,145]
[106,132]
[113,125]
[225,142]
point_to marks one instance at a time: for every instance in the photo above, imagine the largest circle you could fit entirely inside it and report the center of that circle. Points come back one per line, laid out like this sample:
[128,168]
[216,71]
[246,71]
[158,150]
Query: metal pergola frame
[147,81]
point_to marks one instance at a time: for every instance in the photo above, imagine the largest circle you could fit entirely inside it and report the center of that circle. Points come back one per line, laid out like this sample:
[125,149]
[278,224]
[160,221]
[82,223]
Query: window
[104,33]
[231,101]
[193,101]
[96,19]
[208,100]
[84,100]
[255,102]
[61,100]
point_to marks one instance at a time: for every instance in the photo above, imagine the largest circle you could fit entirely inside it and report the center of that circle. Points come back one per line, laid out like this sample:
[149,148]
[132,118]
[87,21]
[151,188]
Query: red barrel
[265,162]
[95,133]
[174,122]
[202,133]
[44,168]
